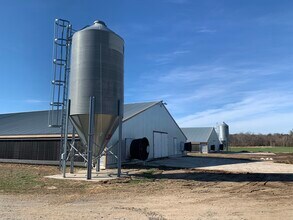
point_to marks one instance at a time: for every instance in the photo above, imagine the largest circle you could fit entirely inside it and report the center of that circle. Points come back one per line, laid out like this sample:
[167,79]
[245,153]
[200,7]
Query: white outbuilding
[203,139]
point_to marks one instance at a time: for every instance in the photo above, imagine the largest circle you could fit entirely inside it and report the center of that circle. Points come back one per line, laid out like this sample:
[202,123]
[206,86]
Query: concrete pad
[225,164]
[103,175]
[259,153]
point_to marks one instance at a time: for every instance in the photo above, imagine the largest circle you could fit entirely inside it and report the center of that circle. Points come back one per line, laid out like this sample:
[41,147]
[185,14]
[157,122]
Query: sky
[209,60]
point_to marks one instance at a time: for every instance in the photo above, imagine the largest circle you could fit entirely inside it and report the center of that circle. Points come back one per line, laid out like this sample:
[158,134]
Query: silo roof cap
[100,25]
[224,124]
[100,22]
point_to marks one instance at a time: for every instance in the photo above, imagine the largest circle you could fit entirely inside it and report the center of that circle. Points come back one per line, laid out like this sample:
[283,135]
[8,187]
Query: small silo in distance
[97,69]
[223,130]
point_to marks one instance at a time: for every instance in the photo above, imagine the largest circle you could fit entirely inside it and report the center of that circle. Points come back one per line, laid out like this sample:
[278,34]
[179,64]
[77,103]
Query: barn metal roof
[198,134]
[36,123]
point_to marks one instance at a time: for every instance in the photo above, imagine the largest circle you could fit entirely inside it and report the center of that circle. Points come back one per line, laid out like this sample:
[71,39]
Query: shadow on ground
[196,162]
[212,176]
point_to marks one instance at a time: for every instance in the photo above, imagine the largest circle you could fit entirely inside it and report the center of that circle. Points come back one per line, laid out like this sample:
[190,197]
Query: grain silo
[223,132]
[97,70]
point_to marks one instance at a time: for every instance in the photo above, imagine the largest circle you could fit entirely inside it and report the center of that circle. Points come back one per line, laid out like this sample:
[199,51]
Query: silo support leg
[64,155]
[90,136]
[72,151]
[98,165]
[120,139]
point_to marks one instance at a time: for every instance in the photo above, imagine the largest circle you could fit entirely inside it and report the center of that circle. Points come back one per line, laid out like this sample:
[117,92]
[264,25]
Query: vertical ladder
[61,68]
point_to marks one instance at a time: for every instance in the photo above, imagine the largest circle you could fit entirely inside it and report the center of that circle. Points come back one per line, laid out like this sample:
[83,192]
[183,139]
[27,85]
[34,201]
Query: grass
[17,181]
[29,179]
[19,178]
[262,149]
[144,177]
[149,173]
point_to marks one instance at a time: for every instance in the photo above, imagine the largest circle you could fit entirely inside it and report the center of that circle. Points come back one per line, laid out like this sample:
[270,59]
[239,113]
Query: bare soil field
[153,193]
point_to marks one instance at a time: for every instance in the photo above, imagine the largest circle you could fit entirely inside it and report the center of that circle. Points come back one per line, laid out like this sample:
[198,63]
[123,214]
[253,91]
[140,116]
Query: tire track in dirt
[150,214]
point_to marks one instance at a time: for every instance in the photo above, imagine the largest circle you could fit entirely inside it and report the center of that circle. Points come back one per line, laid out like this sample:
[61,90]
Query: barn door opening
[160,144]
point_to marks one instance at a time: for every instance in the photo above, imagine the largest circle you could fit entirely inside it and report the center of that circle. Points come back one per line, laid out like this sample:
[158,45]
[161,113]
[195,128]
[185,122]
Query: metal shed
[203,139]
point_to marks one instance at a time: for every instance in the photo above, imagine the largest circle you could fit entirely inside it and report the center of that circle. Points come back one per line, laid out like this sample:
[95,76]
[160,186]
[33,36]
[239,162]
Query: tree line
[250,139]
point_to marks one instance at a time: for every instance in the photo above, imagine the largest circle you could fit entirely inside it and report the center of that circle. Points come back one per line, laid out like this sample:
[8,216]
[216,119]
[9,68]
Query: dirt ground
[154,193]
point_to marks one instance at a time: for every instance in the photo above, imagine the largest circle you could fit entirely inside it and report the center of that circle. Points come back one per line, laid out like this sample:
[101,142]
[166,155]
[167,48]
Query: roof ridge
[195,127]
[35,111]
[141,102]
[13,113]
[142,110]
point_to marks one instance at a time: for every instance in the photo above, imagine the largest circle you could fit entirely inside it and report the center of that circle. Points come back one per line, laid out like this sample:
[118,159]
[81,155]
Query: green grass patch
[30,179]
[262,149]
[149,173]
[16,178]
[145,176]
[140,181]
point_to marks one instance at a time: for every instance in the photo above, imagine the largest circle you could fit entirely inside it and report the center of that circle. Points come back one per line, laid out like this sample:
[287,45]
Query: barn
[153,121]
[27,137]
[203,139]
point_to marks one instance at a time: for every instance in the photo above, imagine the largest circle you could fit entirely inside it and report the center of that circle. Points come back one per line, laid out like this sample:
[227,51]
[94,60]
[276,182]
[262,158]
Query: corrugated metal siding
[144,124]
[39,149]
[27,123]
[30,149]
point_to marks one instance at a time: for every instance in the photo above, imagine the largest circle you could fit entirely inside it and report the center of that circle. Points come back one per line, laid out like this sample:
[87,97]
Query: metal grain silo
[224,134]
[97,69]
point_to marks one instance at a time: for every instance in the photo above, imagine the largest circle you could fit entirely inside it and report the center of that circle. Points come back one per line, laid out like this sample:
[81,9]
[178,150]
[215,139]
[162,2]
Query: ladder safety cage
[61,63]
[61,68]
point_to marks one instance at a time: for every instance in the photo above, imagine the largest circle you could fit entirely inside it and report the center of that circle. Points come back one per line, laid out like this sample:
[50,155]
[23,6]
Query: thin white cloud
[202,95]
[191,74]
[259,112]
[206,30]
[34,101]
[165,58]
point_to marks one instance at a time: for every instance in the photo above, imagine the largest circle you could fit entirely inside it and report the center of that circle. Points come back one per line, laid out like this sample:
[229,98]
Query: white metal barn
[153,121]
[203,139]
[27,137]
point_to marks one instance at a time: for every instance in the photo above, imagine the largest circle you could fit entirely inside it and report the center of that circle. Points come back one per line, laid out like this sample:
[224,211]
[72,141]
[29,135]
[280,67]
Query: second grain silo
[223,133]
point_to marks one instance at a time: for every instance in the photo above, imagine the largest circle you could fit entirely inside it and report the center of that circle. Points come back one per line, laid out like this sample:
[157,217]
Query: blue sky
[209,60]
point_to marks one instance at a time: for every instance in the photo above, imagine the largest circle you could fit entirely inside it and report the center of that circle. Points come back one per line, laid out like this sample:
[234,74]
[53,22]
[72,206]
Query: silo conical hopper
[97,69]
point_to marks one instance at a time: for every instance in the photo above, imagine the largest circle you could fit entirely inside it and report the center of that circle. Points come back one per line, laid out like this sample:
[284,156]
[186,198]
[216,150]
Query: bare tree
[250,139]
